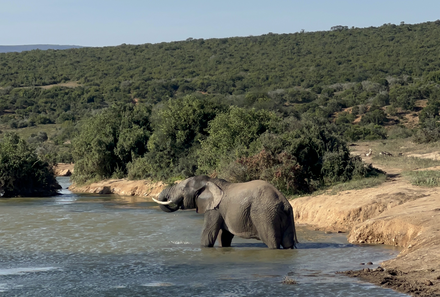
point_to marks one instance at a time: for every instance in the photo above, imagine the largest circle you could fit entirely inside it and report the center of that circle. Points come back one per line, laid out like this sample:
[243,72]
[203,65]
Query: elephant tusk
[170,203]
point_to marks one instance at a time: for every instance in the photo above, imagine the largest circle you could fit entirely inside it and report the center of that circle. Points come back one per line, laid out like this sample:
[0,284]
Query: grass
[357,184]
[25,133]
[404,163]
[364,183]
[405,146]
[426,178]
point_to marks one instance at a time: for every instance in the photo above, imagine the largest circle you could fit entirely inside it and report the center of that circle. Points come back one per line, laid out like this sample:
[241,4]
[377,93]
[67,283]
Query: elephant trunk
[165,204]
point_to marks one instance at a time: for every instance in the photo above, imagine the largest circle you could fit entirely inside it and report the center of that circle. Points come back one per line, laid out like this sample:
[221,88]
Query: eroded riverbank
[394,213]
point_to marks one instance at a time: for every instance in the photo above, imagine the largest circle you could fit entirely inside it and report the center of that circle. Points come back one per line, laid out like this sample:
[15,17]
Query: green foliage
[282,170]
[21,172]
[299,160]
[430,132]
[397,131]
[426,178]
[231,135]
[110,140]
[179,127]
[213,102]
[368,132]
[376,117]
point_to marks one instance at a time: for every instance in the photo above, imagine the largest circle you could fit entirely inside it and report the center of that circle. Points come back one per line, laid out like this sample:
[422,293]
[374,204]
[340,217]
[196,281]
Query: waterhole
[104,245]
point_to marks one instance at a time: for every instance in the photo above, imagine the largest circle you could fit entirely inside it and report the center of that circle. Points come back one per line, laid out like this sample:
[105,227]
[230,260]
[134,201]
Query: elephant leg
[211,227]
[269,233]
[288,241]
[225,238]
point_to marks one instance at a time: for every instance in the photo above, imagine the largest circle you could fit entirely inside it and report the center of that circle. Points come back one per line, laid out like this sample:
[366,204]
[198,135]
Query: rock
[366,270]
[362,264]
[328,232]
[65,172]
[370,263]
[289,281]
[379,269]
[428,282]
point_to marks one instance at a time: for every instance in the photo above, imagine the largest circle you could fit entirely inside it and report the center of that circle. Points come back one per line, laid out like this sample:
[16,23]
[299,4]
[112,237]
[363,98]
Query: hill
[363,83]
[30,47]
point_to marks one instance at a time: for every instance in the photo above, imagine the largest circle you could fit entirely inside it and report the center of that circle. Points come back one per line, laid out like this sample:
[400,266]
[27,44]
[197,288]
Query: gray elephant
[254,209]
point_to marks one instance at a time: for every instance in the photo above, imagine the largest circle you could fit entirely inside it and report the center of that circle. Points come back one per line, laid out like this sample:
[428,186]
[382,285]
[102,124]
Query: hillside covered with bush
[279,106]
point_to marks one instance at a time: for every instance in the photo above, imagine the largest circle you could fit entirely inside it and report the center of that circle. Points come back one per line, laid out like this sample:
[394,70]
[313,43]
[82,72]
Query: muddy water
[89,245]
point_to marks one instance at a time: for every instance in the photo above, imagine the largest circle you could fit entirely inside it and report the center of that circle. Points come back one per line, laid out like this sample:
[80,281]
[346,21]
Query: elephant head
[196,192]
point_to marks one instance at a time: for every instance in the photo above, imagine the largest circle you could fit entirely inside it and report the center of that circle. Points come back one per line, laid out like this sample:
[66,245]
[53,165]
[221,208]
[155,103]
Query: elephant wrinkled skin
[254,209]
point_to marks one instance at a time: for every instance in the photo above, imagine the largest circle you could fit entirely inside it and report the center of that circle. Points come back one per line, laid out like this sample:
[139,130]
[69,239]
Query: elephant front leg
[211,227]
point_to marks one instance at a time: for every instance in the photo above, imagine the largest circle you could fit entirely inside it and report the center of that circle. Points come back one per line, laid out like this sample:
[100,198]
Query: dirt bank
[123,187]
[394,213]
[63,169]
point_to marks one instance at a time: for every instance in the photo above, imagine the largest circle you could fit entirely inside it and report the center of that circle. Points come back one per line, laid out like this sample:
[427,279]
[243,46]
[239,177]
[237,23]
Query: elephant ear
[209,198]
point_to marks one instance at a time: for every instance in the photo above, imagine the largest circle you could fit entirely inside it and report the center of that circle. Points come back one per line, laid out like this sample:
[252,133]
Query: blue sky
[110,22]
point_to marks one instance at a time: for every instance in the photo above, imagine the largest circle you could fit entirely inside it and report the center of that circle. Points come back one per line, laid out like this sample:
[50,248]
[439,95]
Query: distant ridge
[22,48]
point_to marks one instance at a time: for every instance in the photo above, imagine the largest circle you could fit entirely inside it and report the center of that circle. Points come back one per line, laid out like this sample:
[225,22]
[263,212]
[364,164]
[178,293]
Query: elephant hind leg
[224,238]
[270,233]
[288,241]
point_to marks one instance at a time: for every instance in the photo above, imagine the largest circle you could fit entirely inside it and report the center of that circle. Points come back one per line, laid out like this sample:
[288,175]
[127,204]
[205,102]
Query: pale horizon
[108,23]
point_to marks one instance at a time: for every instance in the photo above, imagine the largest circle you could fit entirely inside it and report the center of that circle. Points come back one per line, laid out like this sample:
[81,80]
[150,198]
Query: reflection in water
[89,245]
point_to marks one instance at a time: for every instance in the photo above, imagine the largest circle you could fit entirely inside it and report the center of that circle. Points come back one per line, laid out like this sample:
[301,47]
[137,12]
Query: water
[91,245]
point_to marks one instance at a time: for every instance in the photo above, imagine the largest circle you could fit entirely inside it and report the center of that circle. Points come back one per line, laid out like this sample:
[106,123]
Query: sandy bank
[63,169]
[394,213]
[123,187]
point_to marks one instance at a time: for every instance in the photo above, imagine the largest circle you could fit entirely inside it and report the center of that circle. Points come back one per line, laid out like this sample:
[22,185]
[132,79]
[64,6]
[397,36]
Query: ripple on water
[22,270]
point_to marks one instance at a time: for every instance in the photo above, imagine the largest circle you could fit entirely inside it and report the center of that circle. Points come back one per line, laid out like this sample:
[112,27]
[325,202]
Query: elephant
[253,209]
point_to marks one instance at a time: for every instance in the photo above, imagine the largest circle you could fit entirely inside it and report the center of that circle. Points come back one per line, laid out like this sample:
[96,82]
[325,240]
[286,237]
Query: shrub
[110,140]
[282,170]
[368,132]
[430,132]
[377,117]
[21,172]
[179,127]
[231,135]
[399,132]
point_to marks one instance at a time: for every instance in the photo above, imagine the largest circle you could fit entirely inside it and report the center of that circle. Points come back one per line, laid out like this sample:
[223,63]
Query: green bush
[179,128]
[399,132]
[430,132]
[282,170]
[21,172]
[231,135]
[368,132]
[110,140]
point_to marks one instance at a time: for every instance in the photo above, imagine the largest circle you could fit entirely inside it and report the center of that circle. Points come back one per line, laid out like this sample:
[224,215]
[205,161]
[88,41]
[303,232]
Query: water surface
[96,245]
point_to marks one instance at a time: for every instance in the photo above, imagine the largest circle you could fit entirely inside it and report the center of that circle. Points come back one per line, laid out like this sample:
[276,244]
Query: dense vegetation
[230,106]
[22,173]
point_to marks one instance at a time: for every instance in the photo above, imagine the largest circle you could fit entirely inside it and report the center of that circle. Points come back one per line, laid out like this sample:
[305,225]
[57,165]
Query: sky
[111,22]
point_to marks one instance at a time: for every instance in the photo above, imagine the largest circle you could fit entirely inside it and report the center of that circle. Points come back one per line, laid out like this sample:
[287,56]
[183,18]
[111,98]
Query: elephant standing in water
[254,209]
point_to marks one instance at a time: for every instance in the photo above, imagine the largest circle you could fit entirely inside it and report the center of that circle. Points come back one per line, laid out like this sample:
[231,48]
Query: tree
[21,172]
[110,140]
[231,134]
[179,127]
